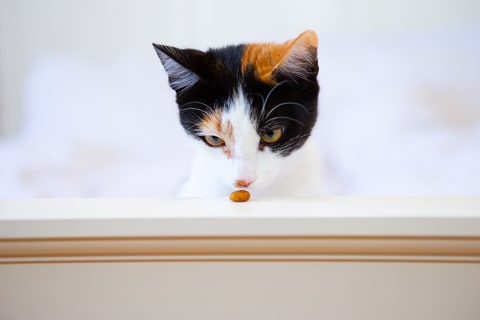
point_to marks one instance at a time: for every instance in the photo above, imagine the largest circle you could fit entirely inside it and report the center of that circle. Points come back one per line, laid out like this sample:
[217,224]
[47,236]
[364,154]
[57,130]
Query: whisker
[192,128]
[286,118]
[297,104]
[261,97]
[268,96]
[193,109]
[210,108]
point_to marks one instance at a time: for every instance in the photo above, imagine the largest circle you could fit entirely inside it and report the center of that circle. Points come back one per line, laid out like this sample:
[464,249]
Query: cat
[250,110]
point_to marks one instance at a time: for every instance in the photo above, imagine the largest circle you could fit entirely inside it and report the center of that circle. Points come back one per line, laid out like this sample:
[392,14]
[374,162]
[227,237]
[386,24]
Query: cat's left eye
[214,141]
[271,136]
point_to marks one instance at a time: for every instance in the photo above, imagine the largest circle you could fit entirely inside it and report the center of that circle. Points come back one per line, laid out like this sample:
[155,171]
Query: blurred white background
[85,109]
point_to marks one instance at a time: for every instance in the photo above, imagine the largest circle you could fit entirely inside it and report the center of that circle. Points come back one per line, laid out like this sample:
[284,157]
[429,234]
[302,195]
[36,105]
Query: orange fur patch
[228,138]
[212,125]
[266,57]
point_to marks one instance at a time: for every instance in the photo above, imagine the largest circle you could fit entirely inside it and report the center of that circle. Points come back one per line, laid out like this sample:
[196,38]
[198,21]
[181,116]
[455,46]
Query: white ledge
[339,228]
[432,216]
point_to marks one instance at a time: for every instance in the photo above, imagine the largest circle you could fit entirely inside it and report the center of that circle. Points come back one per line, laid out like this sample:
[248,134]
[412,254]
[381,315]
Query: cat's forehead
[233,125]
[232,116]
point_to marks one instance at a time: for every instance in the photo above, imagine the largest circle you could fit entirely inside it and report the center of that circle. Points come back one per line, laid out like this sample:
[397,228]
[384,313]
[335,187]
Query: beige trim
[238,248]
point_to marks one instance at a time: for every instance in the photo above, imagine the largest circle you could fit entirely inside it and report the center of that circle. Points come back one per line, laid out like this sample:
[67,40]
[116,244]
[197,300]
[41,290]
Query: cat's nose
[242,183]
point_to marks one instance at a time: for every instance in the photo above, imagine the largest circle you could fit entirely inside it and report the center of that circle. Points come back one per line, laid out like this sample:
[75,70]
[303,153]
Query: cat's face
[247,107]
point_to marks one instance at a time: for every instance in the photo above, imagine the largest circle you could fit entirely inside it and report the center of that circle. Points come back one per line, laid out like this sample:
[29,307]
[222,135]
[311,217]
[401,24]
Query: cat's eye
[271,136]
[214,141]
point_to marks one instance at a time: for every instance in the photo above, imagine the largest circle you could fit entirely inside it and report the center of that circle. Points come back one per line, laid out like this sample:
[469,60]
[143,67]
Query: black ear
[181,66]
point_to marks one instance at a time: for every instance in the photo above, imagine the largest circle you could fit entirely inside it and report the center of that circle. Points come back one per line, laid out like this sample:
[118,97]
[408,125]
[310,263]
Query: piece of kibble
[240,196]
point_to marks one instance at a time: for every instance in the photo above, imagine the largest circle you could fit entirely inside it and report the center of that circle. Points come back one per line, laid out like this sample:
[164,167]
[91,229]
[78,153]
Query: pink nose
[242,183]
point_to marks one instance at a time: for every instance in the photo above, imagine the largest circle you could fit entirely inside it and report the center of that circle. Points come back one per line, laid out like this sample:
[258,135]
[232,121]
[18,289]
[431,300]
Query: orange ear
[296,58]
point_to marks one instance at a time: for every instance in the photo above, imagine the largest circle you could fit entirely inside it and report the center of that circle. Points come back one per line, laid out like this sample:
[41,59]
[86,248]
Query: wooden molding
[426,229]
[242,248]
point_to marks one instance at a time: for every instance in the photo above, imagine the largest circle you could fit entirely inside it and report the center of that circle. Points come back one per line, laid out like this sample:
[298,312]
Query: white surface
[325,207]
[399,115]
[159,217]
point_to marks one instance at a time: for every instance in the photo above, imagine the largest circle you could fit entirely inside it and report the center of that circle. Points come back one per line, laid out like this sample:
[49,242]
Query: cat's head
[249,107]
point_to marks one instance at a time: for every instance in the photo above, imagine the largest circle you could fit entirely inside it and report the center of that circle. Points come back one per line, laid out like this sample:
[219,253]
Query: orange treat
[240,196]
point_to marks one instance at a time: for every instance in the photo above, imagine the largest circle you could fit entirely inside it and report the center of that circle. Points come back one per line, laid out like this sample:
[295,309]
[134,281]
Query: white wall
[31,29]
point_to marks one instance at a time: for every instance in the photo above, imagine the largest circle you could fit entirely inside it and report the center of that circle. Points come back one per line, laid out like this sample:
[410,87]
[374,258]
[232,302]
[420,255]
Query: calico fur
[238,97]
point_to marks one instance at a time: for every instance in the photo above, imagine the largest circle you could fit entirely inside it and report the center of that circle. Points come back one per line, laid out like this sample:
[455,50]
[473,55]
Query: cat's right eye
[271,136]
[214,141]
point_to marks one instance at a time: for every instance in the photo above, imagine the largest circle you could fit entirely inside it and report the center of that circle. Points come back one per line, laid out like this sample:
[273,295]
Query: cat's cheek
[226,152]
[268,171]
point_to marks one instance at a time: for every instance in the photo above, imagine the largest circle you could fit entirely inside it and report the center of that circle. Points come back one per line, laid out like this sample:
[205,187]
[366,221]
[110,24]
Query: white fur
[213,174]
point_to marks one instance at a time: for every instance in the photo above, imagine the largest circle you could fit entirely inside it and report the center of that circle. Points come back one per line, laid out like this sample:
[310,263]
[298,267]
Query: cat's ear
[298,59]
[180,66]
